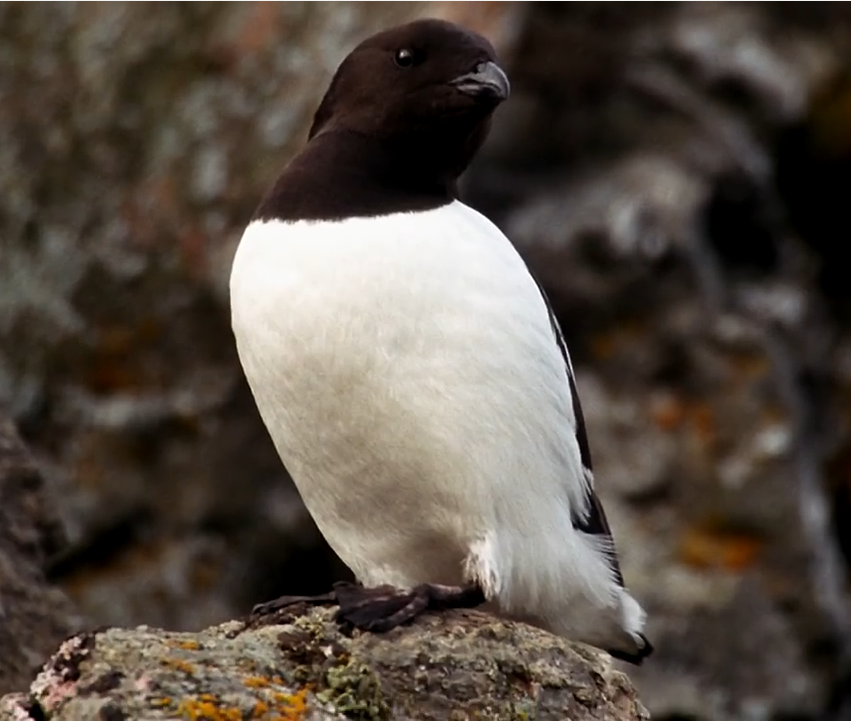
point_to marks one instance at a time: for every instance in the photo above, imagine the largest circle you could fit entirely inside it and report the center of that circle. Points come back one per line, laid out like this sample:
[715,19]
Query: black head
[427,77]
[403,117]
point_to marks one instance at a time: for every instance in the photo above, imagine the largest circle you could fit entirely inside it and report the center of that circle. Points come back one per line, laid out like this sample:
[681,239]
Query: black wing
[594,522]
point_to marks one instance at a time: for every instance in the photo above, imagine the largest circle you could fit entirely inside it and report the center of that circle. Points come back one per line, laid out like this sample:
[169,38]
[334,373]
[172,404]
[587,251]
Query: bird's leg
[265,609]
[383,608]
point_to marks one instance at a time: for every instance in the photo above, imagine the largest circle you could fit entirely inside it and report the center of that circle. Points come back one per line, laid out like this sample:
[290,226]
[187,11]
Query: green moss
[524,710]
[354,690]
[347,684]
[313,624]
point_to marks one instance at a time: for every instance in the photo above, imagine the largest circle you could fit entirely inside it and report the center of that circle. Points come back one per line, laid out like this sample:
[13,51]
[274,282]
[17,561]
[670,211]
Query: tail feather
[645,648]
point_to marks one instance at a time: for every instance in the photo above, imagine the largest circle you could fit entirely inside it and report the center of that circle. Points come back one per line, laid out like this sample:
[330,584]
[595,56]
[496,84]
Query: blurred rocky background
[679,177]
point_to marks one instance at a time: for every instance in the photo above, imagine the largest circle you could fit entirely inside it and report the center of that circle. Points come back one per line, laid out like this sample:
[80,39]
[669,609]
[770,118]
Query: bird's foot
[381,608]
[278,604]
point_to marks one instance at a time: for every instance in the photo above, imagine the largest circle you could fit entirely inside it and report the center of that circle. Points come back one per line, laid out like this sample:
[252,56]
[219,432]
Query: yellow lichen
[256,682]
[197,710]
[292,707]
[261,708]
[178,663]
[276,707]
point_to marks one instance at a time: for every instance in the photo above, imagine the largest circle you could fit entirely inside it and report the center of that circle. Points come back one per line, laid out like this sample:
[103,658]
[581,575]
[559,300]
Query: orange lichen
[713,548]
[256,682]
[261,708]
[198,710]
[668,413]
[178,664]
[603,346]
[275,707]
[703,423]
[292,707]
[186,644]
[750,366]
[609,344]
[160,702]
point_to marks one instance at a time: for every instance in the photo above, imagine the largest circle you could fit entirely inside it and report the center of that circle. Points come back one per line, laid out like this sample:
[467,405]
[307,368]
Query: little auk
[409,368]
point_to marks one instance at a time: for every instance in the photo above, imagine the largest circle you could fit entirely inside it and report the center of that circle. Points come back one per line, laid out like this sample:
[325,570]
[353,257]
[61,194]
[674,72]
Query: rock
[34,617]
[298,665]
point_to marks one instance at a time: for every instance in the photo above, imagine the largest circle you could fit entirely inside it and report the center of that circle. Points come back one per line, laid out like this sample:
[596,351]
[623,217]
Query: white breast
[406,370]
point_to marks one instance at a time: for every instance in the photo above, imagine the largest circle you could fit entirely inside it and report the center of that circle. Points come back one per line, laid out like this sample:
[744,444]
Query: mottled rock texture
[457,666]
[34,617]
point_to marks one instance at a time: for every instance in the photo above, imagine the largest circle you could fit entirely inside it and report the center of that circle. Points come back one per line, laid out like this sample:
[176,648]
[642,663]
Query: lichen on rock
[298,664]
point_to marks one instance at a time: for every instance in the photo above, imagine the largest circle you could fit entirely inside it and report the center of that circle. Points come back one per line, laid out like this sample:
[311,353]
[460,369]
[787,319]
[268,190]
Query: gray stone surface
[457,666]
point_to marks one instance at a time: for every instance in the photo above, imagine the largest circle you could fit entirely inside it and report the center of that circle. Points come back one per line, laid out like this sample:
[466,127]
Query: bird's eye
[405,58]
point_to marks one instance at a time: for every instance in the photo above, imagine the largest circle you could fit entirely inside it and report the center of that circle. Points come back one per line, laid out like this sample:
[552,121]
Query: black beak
[488,80]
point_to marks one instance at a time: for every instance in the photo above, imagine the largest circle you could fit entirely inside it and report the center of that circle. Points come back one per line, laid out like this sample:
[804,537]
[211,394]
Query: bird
[409,368]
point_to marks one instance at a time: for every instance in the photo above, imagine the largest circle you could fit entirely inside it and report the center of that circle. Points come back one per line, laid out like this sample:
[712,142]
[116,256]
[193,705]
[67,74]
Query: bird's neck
[343,174]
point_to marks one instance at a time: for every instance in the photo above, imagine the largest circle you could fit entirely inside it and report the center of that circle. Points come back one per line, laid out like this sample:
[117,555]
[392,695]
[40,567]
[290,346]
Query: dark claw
[384,608]
[265,609]
[381,608]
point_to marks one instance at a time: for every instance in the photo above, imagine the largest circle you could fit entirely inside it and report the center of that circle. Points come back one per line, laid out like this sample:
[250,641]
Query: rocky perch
[299,665]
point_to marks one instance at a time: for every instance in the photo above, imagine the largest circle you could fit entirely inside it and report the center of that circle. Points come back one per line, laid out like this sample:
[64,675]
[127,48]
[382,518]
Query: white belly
[408,376]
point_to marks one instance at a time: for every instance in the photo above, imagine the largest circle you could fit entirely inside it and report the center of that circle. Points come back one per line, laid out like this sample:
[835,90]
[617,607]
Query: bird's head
[427,88]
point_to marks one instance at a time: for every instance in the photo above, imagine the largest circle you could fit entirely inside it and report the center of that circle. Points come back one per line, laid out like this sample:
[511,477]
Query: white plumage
[406,369]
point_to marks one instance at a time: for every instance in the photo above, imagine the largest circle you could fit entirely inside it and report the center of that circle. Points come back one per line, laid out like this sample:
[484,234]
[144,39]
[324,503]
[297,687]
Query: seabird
[408,366]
